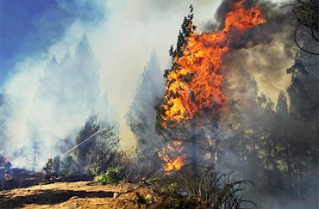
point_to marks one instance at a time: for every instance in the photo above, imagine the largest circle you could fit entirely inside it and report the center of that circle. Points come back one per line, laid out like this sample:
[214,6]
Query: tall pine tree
[142,114]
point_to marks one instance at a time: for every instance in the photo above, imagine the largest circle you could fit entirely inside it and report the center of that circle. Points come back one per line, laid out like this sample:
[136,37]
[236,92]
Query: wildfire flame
[193,85]
[171,156]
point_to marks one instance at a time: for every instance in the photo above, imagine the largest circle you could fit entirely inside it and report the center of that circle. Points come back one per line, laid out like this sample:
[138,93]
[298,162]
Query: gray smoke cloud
[265,51]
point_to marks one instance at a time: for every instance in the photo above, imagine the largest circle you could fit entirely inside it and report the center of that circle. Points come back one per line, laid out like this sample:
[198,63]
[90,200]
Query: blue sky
[28,27]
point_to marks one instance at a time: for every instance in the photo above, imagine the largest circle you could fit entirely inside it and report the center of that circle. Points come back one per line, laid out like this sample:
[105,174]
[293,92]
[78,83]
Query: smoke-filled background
[64,61]
[103,46]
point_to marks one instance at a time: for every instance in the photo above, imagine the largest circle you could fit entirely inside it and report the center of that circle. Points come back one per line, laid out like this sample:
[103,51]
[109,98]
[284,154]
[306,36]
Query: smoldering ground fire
[193,84]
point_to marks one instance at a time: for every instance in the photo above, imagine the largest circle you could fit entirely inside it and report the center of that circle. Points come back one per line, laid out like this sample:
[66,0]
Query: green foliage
[91,126]
[97,146]
[111,176]
[95,170]
[68,166]
[170,188]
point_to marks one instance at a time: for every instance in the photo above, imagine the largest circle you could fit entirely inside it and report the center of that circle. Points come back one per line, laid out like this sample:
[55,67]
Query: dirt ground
[88,194]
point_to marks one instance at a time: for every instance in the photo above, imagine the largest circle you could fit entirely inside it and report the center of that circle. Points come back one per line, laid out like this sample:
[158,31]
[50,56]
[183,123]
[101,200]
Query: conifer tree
[142,114]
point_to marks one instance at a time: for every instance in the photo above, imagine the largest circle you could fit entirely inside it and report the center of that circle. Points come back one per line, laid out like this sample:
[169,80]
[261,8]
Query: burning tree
[193,84]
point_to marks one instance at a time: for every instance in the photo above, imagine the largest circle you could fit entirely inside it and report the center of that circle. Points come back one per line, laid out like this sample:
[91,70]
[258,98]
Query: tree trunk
[243,155]
[288,165]
[317,125]
[194,147]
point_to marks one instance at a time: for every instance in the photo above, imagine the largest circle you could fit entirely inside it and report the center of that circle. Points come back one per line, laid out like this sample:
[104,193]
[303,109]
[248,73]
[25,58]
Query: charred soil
[34,192]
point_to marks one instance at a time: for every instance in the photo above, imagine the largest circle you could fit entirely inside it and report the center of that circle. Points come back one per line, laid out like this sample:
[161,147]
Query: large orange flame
[193,85]
[172,157]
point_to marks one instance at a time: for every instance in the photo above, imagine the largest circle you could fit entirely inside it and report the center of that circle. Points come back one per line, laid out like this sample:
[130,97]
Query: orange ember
[193,85]
[172,157]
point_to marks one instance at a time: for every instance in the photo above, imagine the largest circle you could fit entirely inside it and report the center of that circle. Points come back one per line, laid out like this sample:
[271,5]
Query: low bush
[111,176]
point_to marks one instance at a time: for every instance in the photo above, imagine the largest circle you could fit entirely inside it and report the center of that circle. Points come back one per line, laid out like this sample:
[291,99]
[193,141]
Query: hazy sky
[122,34]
